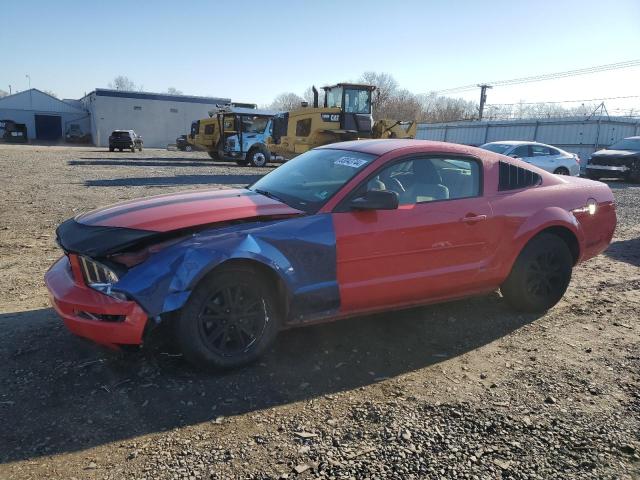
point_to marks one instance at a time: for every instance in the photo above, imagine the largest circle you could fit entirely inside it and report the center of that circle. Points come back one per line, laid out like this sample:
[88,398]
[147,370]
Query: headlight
[99,277]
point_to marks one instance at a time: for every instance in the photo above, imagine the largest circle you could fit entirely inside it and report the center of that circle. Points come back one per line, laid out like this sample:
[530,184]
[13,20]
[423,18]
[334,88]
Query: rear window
[120,135]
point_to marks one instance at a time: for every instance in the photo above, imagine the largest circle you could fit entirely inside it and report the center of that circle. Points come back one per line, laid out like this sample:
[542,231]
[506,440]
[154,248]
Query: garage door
[48,127]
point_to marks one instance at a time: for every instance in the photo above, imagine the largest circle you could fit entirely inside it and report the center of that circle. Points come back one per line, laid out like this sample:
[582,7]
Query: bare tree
[174,91]
[286,101]
[3,93]
[49,92]
[386,87]
[123,83]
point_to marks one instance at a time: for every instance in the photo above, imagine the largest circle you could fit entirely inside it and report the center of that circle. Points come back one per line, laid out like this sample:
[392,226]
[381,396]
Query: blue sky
[251,51]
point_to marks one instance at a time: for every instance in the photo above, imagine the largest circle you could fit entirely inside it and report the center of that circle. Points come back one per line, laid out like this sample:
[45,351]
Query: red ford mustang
[341,230]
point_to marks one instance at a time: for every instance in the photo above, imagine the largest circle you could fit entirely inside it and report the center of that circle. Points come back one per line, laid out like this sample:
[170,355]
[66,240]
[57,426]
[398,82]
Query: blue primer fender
[301,250]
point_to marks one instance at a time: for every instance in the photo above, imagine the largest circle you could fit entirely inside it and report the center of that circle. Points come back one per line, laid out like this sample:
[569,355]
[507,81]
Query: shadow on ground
[151,162]
[627,251]
[61,394]
[175,180]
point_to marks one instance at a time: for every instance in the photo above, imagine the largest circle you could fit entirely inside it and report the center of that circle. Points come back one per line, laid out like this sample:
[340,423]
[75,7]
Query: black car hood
[99,241]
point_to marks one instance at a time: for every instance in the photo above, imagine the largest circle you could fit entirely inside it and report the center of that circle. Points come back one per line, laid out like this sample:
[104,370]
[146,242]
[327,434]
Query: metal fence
[577,135]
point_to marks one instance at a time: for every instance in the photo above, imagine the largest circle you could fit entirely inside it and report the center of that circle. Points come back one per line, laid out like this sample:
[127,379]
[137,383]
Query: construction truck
[235,133]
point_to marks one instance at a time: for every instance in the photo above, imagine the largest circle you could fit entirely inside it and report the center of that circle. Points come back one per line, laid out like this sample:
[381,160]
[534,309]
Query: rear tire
[213,155]
[258,156]
[540,276]
[230,319]
[561,171]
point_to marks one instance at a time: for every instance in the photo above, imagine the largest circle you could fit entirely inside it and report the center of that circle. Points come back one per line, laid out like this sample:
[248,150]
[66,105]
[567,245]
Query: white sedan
[547,157]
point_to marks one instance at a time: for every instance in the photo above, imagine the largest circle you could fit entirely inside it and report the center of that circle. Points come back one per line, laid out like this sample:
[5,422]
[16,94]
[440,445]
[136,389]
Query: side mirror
[376,200]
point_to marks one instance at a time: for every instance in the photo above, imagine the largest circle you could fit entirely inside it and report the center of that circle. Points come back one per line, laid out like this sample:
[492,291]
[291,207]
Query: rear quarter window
[512,177]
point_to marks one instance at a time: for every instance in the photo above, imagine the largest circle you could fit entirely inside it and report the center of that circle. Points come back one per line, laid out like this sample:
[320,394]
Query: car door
[541,157]
[432,246]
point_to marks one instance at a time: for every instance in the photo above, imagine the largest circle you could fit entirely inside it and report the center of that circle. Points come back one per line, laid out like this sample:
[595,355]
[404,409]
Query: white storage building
[158,118]
[47,118]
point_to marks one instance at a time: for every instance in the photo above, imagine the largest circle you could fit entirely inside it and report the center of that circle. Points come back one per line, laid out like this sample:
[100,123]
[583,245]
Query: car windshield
[357,101]
[496,147]
[626,144]
[308,181]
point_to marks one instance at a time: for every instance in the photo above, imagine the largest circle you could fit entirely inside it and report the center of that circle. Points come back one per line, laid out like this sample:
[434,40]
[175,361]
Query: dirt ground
[463,390]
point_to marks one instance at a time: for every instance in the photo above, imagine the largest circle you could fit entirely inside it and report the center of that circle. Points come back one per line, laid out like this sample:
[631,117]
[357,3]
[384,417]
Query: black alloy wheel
[232,320]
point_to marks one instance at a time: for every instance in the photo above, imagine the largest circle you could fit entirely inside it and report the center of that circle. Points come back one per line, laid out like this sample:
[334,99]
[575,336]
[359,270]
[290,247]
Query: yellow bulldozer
[345,115]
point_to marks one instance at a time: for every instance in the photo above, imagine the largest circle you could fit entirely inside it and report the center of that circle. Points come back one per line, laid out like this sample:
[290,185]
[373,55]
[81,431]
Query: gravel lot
[462,390]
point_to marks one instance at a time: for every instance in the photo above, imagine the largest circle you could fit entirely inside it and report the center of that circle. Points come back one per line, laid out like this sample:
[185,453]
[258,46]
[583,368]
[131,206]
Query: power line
[564,101]
[547,76]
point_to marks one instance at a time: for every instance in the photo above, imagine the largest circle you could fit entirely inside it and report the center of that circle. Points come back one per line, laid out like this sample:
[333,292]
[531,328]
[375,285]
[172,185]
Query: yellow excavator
[345,115]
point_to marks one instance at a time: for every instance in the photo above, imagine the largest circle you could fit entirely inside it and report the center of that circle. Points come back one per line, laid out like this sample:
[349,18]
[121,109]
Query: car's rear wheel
[540,276]
[231,319]
[561,171]
[213,155]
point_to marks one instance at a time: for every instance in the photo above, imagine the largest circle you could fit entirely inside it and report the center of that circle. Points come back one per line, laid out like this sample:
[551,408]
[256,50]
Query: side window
[539,151]
[521,152]
[208,129]
[303,127]
[429,179]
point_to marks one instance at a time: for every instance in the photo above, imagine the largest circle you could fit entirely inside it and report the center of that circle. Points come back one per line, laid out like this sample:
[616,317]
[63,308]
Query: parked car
[547,157]
[341,230]
[125,139]
[183,144]
[620,160]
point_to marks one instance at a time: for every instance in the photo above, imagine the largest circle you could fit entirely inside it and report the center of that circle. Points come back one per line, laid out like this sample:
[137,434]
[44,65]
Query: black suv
[125,139]
[182,143]
[620,160]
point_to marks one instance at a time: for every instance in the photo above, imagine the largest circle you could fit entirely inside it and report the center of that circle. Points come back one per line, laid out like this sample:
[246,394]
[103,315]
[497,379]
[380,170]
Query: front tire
[230,320]
[258,156]
[540,276]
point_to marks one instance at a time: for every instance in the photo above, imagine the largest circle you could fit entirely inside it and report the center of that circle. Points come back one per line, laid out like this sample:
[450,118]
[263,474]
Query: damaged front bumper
[89,313]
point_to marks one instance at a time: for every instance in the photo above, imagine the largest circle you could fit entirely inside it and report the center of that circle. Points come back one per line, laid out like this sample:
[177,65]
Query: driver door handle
[471,218]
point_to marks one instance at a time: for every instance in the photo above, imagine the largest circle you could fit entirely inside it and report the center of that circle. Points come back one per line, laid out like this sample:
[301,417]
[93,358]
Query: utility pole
[9,89]
[483,99]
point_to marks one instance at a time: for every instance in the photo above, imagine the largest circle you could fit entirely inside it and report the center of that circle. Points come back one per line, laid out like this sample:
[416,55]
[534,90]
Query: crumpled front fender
[300,250]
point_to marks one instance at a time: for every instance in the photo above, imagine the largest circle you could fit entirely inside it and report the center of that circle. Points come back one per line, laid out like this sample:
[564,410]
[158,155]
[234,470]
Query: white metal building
[158,118]
[47,118]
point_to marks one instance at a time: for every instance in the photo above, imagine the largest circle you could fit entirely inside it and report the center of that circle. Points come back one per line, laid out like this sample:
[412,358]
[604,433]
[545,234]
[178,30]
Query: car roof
[517,142]
[382,146]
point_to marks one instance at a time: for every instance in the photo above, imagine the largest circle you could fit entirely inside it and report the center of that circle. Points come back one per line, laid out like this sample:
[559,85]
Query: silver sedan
[547,157]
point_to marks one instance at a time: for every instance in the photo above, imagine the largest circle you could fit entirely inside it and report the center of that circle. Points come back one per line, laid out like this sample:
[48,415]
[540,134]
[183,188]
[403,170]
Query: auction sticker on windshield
[352,162]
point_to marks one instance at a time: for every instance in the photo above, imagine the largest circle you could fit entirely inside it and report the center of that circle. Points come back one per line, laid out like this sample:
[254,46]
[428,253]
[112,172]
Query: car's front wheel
[540,276]
[230,319]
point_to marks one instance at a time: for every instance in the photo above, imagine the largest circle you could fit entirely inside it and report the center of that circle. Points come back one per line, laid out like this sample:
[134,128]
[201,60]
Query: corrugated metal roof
[36,100]
[104,92]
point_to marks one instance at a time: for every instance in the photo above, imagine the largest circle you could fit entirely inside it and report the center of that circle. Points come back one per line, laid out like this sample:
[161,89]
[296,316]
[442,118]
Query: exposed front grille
[95,272]
[617,162]
[100,317]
